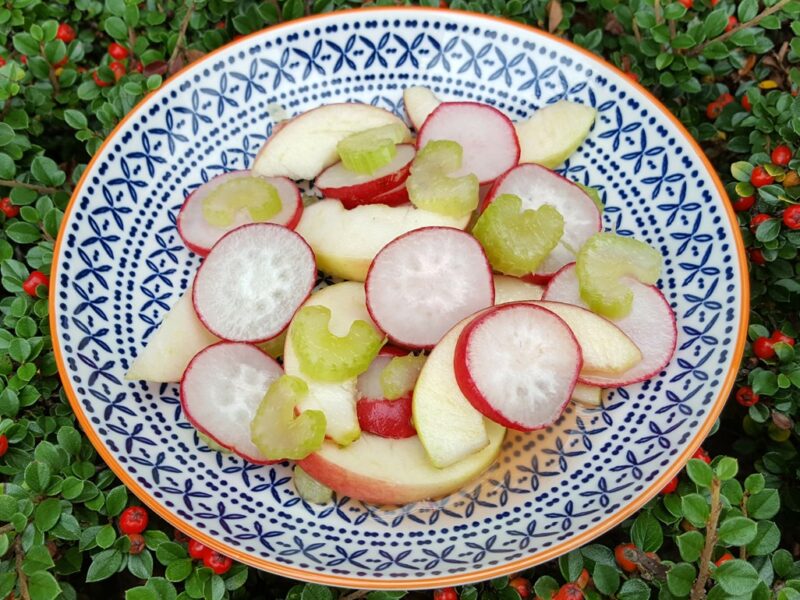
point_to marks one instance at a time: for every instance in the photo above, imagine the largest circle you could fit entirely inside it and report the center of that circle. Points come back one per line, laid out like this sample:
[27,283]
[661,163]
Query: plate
[119,266]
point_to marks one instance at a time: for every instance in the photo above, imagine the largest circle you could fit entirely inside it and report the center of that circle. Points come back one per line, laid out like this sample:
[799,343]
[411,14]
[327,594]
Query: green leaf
[37,558]
[571,565]
[47,514]
[764,504]
[104,565]
[599,554]
[169,552]
[690,545]
[726,468]
[545,587]
[736,531]
[141,565]
[634,589]
[178,570]
[8,169]
[140,593]
[500,583]
[768,230]
[46,171]
[164,589]
[783,563]
[43,586]
[699,472]
[754,484]
[695,509]
[23,233]
[747,10]
[116,28]
[106,536]
[766,539]
[740,170]
[680,579]
[737,577]
[75,119]
[313,591]
[69,439]
[606,579]
[382,595]
[116,500]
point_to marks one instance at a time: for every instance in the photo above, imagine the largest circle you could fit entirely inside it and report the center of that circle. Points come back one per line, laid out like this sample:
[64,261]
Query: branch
[743,506]
[21,577]
[181,36]
[42,189]
[751,23]
[6,528]
[354,595]
[699,587]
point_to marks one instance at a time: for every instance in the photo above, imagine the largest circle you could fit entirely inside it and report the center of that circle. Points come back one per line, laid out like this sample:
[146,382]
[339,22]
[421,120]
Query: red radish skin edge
[366,192]
[623,382]
[508,122]
[203,251]
[391,409]
[470,389]
[308,293]
[202,429]
[391,338]
[362,403]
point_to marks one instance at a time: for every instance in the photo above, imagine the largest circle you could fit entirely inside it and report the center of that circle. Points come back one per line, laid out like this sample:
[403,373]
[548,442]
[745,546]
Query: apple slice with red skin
[650,325]
[221,390]
[424,282]
[253,281]
[354,189]
[199,235]
[518,364]
[377,414]
[487,137]
[419,102]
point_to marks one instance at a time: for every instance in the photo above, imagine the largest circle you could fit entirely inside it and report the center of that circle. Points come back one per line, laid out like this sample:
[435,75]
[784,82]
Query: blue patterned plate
[120,265]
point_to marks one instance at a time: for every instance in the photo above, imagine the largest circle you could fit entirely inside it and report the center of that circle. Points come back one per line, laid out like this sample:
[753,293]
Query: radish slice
[253,281]
[199,235]
[354,189]
[517,364]
[220,391]
[536,186]
[487,136]
[395,197]
[377,414]
[424,282]
[650,325]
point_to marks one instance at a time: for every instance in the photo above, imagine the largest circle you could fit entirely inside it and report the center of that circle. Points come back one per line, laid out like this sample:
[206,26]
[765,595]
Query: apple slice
[306,145]
[238,188]
[346,241]
[511,289]
[587,395]
[347,304]
[448,426]
[386,471]
[517,364]
[222,388]
[378,414]
[420,102]
[353,189]
[650,325]
[253,281]
[424,282]
[486,135]
[537,186]
[309,489]
[554,132]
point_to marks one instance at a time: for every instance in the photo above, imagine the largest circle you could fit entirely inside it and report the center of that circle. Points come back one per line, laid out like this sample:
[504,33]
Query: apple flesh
[554,132]
[420,102]
[385,471]
[587,395]
[306,145]
[345,241]
[511,289]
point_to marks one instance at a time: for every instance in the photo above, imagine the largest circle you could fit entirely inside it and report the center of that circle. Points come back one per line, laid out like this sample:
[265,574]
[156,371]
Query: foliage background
[59,505]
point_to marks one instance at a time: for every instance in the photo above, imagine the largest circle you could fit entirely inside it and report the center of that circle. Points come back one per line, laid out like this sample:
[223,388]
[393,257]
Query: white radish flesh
[650,325]
[518,364]
[423,283]
[221,390]
[536,186]
[420,102]
[253,281]
[199,235]
[486,136]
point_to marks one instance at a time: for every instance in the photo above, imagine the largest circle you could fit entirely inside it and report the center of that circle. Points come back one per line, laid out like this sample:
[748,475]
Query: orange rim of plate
[446,580]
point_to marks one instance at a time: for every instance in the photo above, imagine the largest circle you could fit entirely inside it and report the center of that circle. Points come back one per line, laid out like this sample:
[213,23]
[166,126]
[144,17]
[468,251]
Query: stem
[6,528]
[657,10]
[636,33]
[21,577]
[42,189]
[699,587]
[751,23]
[354,595]
[181,36]
[743,506]
[51,74]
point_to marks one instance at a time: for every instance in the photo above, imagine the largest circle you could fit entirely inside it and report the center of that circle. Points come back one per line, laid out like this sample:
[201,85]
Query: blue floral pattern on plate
[122,265]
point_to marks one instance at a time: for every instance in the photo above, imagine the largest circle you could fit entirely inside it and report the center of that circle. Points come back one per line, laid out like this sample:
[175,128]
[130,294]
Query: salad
[475,292]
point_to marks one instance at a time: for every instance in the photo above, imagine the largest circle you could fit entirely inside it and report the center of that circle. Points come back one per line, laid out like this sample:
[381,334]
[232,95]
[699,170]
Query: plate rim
[466,577]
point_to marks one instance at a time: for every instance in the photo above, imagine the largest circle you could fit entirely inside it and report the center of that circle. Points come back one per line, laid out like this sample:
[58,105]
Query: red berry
[632,75]
[99,81]
[687,3]
[2,61]
[7,208]
[724,558]
[746,102]
[791,217]
[220,25]
[623,553]
[60,63]
[779,336]
[757,256]
[523,587]
[137,543]
[33,281]
[583,579]
[759,177]
[732,22]
[118,69]
[725,99]
[197,550]
[746,396]
[443,4]
[133,520]
[138,67]
[65,33]
[763,348]
[569,591]
[671,486]
[445,594]
[757,220]
[714,2]
[23,59]
[219,563]
[713,110]
[3,445]
[781,155]
[744,203]
[179,536]
[702,455]
[117,51]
